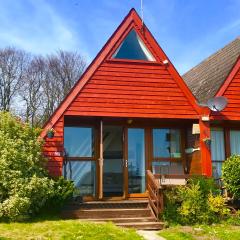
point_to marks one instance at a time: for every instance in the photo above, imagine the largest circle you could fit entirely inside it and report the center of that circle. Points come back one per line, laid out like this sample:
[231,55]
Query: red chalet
[129,115]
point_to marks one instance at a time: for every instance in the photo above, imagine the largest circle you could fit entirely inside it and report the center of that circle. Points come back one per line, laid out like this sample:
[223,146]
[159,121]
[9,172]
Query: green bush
[199,202]
[234,219]
[25,187]
[231,175]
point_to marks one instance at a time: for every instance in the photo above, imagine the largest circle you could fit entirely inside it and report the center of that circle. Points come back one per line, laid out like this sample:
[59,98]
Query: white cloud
[36,27]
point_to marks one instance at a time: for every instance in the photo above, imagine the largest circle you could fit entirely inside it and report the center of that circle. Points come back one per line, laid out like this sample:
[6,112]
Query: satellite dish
[217,104]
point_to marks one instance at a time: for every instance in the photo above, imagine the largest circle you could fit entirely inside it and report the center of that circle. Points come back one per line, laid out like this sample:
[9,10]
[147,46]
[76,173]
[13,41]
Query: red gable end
[129,88]
[230,89]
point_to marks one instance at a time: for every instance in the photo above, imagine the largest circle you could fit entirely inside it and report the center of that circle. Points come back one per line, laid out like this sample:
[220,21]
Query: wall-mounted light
[129,121]
[207,142]
[50,133]
[205,118]
[165,62]
[191,150]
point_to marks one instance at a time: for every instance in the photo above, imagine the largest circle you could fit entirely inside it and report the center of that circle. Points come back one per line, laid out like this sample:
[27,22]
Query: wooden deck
[139,214]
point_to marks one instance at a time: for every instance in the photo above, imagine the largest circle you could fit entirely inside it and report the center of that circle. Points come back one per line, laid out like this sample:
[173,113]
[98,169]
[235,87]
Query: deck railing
[156,183]
[155,194]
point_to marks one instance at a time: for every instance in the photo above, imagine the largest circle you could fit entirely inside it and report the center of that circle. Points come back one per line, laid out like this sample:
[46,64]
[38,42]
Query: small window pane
[166,143]
[167,167]
[161,167]
[132,47]
[217,144]
[79,141]
[82,173]
[235,142]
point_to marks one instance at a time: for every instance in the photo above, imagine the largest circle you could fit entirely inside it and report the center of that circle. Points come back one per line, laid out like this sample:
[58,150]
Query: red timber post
[205,143]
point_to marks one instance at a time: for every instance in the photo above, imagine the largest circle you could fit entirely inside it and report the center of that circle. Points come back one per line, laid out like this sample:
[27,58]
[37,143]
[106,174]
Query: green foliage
[25,187]
[63,191]
[221,231]
[234,219]
[231,175]
[196,203]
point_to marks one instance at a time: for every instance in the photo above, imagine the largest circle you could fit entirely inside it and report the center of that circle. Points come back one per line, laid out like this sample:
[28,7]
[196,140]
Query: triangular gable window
[133,48]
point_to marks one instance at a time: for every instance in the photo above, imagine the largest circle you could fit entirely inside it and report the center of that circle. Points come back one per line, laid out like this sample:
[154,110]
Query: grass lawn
[214,232]
[65,229]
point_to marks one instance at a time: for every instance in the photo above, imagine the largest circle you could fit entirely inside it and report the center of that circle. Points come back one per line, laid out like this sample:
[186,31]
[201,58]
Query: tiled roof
[206,78]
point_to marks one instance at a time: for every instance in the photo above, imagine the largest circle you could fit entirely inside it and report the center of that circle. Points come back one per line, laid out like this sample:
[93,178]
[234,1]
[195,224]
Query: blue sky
[187,30]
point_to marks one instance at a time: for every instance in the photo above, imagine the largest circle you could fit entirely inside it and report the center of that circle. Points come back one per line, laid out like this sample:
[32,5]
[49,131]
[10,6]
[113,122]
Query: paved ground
[150,235]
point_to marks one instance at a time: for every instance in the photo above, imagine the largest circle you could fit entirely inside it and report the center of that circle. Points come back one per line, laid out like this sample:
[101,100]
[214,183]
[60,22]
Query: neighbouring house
[219,75]
[131,112]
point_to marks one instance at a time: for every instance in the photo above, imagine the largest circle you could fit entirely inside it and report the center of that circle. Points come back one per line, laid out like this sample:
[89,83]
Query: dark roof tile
[206,78]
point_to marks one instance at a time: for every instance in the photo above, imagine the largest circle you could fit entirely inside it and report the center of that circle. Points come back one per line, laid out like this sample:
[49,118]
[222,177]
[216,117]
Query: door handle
[126,163]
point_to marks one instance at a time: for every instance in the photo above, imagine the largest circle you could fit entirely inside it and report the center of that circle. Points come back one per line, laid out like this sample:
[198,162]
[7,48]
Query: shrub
[63,191]
[199,202]
[25,187]
[234,219]
[231,175]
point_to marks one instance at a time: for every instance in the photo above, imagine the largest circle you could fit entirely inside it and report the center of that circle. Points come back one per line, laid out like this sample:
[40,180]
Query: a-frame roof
[207,77]
[149,81]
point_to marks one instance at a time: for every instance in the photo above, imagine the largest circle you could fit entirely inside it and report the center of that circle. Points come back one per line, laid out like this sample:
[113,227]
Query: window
[136,160]
[235,142]
[166,143]
[133,48]
[79,165]
[82,173]
[79,141]
[217,151]
[167,154]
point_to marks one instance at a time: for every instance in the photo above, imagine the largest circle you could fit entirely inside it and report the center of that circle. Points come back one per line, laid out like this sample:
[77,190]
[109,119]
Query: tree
[65,68]
[231,175]
[12,66]
[36,84]
[46,81]
[32,92]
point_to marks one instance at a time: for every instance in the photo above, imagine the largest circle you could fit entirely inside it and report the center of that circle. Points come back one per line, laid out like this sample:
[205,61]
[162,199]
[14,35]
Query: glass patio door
[136,161]
[123,162]
[113,171]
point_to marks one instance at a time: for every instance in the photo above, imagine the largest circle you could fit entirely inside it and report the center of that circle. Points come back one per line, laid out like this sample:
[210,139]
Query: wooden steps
[134,214]
[124,220]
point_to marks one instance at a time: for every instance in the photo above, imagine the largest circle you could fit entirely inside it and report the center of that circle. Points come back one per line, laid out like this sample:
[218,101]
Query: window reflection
[166,143]
[235,142]
[136,161]
[217,151]
[82,173]
[132,47]
[167,167]
[113,161]
[78,141]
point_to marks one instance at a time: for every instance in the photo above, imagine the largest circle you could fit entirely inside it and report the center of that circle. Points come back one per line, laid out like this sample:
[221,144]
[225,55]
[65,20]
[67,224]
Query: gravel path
[150,235]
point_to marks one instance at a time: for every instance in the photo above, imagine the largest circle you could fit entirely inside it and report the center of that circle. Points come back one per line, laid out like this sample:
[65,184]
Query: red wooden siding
[132,90]
[232,93]
[53,150]
[118,88]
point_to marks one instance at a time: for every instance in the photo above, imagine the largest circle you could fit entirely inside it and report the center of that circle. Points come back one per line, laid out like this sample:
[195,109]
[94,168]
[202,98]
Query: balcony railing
[156,183]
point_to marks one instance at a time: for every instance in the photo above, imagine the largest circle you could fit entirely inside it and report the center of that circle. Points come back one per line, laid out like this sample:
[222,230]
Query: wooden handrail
[172,176]
[155,194]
